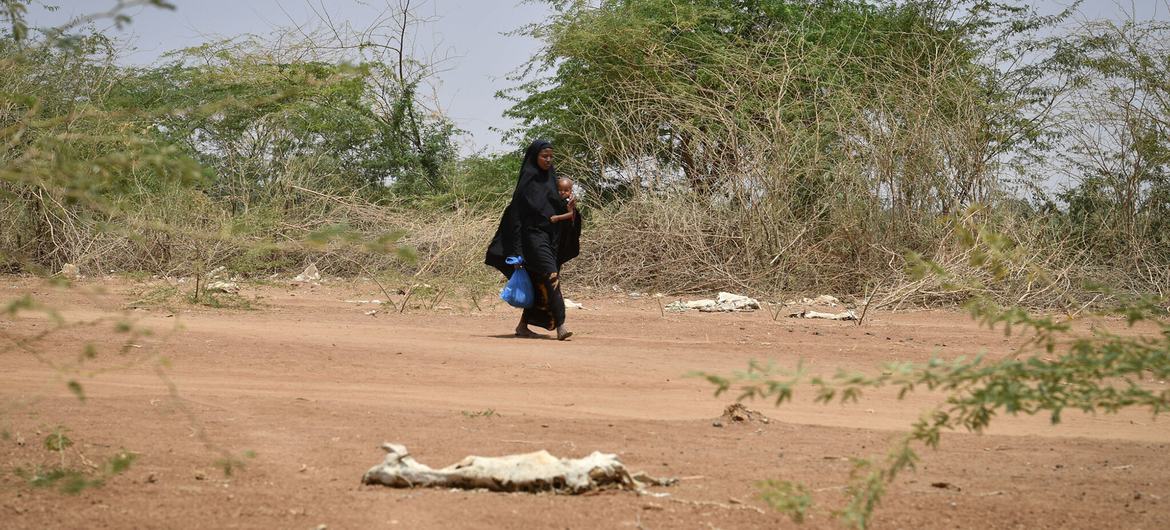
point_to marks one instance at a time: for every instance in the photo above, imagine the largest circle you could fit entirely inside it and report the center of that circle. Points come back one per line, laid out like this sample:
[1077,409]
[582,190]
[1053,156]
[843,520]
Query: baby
[569,239]
[565,187]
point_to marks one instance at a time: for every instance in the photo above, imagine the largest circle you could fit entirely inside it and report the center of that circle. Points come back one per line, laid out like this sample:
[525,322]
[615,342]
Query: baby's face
[565,188]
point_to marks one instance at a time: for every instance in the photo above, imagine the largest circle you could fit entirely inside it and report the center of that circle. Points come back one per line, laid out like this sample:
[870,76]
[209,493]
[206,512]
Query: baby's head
[565,187]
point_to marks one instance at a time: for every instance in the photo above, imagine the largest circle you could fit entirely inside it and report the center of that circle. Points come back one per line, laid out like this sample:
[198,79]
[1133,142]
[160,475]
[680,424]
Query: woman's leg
[548,311]
[563,333]
[522,328]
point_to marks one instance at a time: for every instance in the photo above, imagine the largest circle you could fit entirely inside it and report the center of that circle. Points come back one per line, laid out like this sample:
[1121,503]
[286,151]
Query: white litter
[310,274]
[724,302]
[822,300]
[70,271]
[845,315]
[219,286]
[569,304]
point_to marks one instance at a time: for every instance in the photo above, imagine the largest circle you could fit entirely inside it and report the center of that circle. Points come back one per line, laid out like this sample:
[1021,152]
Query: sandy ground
[312,385]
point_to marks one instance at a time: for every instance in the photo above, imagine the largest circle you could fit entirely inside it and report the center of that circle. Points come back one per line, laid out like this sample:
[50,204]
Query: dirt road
[311,385]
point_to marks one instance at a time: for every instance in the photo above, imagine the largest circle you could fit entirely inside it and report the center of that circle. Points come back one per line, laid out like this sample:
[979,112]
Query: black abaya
[525,230]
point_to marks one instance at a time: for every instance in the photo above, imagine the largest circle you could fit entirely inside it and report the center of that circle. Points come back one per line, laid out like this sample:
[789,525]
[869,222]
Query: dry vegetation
[766,165]
[901,154]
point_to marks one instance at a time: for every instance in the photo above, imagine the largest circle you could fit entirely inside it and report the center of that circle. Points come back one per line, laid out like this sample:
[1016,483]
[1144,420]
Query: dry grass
[668,243]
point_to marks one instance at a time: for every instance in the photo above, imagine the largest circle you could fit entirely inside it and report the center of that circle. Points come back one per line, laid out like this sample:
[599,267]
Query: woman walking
[531,228]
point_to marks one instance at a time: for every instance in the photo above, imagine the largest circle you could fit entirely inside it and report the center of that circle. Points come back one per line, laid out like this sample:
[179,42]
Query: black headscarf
[534,200]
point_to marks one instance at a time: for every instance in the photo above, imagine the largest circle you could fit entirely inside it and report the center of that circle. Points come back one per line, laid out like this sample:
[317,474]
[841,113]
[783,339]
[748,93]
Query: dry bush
[765,166]
[768,165]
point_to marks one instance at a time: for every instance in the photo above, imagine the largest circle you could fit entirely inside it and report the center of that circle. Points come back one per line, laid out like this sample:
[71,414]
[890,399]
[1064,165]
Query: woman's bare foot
[523,331]
[563,334]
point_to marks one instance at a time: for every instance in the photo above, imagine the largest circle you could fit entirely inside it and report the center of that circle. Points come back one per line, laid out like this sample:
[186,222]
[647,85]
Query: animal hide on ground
[539,471]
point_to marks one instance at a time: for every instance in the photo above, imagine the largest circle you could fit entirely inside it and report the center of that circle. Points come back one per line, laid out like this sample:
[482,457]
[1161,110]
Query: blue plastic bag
[518,291]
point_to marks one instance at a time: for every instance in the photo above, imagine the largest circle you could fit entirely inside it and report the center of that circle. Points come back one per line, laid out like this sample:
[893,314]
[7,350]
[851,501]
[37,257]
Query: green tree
[795,131]
[783,98]
[65,150]
[265,120]
[1118,148]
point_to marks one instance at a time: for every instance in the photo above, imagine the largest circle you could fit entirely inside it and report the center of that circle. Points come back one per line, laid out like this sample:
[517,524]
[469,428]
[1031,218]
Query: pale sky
[470,32]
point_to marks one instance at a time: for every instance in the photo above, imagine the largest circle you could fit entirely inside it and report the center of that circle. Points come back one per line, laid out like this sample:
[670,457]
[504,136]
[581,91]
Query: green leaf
[120,462]
[75,388]
[407,254]
[787,497]
[57,441]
